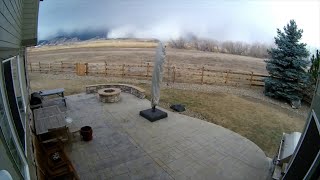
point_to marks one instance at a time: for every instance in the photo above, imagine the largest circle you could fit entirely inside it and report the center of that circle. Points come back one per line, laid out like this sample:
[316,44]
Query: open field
[257,120]
[101,43]
[128,52]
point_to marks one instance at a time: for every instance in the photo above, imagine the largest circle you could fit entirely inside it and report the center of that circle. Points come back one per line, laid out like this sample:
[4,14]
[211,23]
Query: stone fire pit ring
[109,95]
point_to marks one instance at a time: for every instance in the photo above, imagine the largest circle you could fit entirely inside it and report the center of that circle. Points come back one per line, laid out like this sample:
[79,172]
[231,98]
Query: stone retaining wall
[138,92]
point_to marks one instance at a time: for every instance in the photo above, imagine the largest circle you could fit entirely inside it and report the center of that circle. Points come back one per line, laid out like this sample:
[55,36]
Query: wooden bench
[59,92]
[134,90]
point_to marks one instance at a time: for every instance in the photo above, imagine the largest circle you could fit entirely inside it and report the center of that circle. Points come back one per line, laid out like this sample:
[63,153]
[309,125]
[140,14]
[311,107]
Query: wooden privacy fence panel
[183,73]
[81,69]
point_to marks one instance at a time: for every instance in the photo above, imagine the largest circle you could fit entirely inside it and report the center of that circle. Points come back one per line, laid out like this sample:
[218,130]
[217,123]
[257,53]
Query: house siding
[30,22]
[18,26]
[18,29]
[11,22]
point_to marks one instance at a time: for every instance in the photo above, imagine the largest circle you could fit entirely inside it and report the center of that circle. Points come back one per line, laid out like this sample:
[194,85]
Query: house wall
[11,22]
[29,118]
[30,22]
[18,29]
[18,26]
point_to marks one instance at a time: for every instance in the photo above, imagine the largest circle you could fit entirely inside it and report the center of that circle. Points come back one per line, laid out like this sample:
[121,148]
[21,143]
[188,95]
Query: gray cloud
[248,21]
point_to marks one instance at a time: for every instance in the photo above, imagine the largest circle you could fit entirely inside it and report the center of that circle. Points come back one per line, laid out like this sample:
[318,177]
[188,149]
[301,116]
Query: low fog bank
[173,35]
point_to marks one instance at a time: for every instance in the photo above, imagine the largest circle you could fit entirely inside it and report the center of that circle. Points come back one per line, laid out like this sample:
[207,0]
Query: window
[17,89]
[14,96]
[13,113]
[8,135]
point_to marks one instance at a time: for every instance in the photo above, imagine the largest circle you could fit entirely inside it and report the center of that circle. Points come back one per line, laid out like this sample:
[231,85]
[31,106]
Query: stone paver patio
[127,146]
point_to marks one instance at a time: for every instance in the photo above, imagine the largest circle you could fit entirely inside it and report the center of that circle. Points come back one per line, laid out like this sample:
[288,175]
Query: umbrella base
[153,115]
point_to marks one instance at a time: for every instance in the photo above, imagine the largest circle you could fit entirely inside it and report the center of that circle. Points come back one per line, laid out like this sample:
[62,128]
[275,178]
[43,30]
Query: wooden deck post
[202,73]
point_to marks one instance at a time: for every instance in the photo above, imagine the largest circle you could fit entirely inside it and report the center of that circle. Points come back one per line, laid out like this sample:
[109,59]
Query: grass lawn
[258,121]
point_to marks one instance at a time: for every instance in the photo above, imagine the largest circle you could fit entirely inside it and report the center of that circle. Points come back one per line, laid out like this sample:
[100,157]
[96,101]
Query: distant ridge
[75,36]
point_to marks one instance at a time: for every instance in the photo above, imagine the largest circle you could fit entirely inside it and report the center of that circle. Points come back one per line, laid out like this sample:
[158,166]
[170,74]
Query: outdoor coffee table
[49,119]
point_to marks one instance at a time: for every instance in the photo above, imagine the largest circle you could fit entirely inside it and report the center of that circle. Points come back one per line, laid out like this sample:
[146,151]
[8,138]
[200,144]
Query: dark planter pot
[86,133]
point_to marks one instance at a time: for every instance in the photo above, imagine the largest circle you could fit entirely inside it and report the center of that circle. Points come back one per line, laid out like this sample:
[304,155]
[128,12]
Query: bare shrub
[258,50]
[179,43]
[239,48]
[207,45]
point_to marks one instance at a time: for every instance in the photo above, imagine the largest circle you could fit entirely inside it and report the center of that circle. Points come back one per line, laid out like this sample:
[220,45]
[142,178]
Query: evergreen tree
[315,63]
[287,66]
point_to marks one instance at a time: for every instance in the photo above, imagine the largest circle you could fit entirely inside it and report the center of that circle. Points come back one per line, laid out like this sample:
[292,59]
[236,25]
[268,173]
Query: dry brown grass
[258,121]
[100,43]
[130,52]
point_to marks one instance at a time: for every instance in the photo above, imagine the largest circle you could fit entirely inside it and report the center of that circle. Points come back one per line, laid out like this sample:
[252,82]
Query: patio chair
[56,163]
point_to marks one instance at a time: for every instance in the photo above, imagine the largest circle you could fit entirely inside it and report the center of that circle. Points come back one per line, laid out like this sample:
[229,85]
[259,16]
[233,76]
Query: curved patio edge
[176,147]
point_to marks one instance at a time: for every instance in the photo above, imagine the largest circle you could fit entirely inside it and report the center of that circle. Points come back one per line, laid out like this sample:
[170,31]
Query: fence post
[30,66]
[75,67]
[202,73]
[168,73]
[39,67]
[105,68]
[226,81]
[49,67]
[87,68]
[128,70]
[147,70]
[174,74]
[61,67]
[123,70]
[251,79]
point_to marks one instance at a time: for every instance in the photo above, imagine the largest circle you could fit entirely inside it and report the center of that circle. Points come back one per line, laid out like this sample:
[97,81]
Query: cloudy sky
[243,20]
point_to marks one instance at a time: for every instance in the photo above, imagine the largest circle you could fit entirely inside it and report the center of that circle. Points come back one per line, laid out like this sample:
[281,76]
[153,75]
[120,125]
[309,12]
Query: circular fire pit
[109,95]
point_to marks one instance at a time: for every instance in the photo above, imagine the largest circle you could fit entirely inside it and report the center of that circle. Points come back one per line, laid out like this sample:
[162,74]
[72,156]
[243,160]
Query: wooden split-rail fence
[182,73]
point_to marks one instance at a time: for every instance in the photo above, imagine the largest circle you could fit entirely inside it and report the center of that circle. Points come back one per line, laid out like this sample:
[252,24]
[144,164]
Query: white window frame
[23,121]
[23,101]
[20,151]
